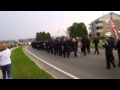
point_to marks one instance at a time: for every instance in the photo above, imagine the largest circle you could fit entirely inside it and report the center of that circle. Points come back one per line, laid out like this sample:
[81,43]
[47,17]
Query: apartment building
[103,24]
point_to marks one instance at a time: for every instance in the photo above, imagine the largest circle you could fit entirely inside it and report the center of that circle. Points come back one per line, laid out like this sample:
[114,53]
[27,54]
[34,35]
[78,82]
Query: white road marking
[74,77]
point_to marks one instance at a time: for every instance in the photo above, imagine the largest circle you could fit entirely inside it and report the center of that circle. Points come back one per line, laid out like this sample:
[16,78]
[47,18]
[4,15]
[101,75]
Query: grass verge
[24,68]
[99,47]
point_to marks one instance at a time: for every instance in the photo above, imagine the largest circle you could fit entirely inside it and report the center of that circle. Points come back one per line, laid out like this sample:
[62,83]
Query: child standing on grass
[5,61]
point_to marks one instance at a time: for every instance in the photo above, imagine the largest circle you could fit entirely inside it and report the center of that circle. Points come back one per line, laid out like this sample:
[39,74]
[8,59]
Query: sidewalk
[0,69]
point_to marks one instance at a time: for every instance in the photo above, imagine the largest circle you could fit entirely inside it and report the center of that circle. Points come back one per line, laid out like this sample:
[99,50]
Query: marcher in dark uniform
[96,41]
[117,46]
[69,42]
[47,46]
[113,43]
[33,44]
[81,45]
[60,41]
[113,46]
[51,46]
[65,48]
[84,45]
[74,46]
[108,51]
[88,45]
[55,47]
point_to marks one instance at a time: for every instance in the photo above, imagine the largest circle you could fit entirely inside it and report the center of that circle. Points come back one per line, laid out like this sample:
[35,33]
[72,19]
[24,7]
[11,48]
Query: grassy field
[24,68]
[99,47]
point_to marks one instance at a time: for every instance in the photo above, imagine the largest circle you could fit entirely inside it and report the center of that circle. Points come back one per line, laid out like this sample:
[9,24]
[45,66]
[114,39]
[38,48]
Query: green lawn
[103,40]
[99,47]
[24,68]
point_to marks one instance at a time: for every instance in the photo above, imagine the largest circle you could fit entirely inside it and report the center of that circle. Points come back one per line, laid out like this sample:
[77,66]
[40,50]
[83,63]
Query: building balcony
[99,24]
[99,30]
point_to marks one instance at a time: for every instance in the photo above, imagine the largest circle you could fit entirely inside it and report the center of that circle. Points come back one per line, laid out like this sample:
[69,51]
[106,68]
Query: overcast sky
[25,24]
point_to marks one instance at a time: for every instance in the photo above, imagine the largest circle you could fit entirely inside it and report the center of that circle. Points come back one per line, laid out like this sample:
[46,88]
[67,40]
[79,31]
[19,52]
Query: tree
[42,36]
[77,30]
[22,40]
[48,36]
[37,36]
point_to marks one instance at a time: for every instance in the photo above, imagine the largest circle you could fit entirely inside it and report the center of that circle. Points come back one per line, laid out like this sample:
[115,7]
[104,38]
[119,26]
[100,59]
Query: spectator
[5,61]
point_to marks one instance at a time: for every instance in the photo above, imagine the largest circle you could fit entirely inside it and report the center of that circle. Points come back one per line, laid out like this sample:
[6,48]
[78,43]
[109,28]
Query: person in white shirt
[5,61]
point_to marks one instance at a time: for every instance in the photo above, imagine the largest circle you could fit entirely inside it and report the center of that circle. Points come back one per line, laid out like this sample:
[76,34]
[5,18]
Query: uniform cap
[107,34]
[119,32]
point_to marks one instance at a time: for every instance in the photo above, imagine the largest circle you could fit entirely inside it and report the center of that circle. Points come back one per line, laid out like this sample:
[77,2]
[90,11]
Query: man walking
[108,45]
[96,42]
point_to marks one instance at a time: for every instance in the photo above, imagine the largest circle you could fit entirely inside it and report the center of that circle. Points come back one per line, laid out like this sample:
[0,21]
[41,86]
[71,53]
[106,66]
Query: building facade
[103,24]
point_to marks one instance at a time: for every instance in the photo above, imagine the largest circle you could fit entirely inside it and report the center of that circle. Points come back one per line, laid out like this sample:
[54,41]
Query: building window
[98,34]
[100,27]
[97,21]
[107,28]
[97,27]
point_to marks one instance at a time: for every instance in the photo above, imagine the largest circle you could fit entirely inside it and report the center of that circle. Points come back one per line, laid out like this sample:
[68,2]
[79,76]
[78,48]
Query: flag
[113,27]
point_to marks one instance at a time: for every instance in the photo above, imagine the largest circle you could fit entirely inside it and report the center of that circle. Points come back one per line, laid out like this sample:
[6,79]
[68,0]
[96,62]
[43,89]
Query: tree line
[76,30]
[43,36]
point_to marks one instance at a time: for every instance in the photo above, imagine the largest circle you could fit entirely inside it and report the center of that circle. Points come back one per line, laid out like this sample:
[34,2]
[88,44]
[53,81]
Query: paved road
[83,67]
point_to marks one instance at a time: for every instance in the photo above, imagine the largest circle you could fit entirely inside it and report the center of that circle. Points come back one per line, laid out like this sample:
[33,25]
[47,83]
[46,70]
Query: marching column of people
[64,46]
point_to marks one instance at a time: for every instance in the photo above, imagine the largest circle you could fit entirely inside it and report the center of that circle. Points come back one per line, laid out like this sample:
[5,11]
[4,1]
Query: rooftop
[104,16]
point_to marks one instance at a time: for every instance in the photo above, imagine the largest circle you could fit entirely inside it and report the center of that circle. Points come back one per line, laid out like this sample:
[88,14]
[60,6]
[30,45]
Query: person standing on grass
[5,61]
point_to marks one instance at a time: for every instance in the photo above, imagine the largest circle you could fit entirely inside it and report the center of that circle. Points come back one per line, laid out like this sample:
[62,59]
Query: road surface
[83,67]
